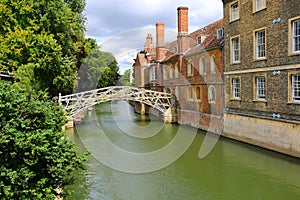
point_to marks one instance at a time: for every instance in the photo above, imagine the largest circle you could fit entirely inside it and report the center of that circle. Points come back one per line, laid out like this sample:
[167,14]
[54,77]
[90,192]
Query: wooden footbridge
[74,103]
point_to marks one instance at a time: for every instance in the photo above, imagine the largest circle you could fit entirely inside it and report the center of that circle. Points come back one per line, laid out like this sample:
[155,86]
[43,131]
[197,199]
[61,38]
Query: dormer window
[201,39]
[220,33]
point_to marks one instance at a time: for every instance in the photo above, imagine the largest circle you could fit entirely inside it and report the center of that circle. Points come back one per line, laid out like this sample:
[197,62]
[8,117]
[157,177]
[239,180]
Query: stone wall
[271,134]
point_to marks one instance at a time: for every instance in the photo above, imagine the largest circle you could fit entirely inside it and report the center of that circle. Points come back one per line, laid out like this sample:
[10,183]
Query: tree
[125,78]
[34,159]
[99,70]
[44,41]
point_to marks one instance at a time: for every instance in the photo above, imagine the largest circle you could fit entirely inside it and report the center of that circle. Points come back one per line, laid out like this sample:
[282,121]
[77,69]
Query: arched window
[165,71]
[190,94]
[211,94]
[190,68]
[202,65]
[213,64]
[176,70]
[171,72]
[198,93]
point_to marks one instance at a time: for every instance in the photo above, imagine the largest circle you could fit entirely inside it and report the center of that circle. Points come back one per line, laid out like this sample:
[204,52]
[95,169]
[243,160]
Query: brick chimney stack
[149,43]
[160,41]
[183,29]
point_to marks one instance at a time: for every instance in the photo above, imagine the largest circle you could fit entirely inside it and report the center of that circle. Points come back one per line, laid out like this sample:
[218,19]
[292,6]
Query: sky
[121,26]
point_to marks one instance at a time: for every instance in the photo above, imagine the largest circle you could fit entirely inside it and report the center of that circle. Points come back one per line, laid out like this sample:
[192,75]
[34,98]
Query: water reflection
[232,170]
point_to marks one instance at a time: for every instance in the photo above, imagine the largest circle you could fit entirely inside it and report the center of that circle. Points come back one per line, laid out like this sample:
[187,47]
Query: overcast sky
[121,26]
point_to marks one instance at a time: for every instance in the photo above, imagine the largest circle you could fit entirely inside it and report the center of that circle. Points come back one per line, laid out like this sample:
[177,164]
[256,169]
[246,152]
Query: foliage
[35,159]
[48,36]
[100,70]
[125,78]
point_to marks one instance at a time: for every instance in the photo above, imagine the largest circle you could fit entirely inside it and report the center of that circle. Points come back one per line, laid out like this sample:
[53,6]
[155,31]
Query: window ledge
[294,53]
[256,11]
[234,20]
[235,63]
[198,100]
[260,101]
[260,59]
[293,102]
[235,99]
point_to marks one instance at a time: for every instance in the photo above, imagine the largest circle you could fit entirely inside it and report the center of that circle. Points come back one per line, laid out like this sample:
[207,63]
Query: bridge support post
[171,116]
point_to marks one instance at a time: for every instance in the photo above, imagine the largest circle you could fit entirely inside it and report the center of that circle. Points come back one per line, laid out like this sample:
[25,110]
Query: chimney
[183,29]
[148,45]
[160,43]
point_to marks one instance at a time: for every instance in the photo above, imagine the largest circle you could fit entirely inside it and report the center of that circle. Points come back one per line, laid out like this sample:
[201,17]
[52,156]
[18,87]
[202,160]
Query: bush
[35,159]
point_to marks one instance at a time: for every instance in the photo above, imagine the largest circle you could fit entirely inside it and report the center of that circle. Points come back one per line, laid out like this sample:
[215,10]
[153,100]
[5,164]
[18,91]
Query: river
[232,170]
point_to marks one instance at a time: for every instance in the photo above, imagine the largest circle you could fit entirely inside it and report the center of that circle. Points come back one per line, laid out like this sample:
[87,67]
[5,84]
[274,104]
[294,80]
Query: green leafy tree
[125,78]
[46,36]
[35,159]
[99,70]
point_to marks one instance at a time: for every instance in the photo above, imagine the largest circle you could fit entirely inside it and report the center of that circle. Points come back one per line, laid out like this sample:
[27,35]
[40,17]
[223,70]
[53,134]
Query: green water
[232,170]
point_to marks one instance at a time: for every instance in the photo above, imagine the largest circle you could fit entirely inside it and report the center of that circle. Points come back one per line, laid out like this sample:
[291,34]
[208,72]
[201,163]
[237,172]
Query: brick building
[191,68]
[262,73]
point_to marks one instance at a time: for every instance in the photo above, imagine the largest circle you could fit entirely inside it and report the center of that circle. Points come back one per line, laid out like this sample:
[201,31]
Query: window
[211,94]
[260,44]
[296,87]
[176,70]
[260,87]
[171,72]
[220,33]
[190,94]
[213,64]
[198,93]
[165,76]
[294,35]
[199,40]
[236,88]
[259,5]
[175,49]
[153,73]
[190,69]
[234,12]
[235,49]
[202,65]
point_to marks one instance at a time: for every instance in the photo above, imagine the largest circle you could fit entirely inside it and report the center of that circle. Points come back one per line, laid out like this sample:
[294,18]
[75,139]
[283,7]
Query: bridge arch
[74,103]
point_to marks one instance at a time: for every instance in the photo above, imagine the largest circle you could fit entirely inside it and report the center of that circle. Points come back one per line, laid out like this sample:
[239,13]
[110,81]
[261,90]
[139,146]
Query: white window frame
[153,73]
[260,44]
[165,71]
[202,65]
[190,68]
[260,83]
[236,88]
[296,36]
[259,5]
[235,49]
[176,70]
[234,11]
[171,72]
[190,94]
[211,94]
[220,33]
[213,64]
[295,87]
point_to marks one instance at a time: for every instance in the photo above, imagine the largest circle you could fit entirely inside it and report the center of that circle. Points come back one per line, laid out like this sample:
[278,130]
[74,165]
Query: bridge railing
[77,102]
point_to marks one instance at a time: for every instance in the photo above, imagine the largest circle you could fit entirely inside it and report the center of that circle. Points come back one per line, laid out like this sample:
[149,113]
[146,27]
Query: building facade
[191,68]
[262,73]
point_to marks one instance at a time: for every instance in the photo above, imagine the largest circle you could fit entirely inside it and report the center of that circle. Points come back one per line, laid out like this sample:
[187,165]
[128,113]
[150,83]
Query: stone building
[262,73]
[191,68]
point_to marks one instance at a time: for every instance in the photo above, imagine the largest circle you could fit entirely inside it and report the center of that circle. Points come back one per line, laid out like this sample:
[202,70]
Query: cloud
[124,24]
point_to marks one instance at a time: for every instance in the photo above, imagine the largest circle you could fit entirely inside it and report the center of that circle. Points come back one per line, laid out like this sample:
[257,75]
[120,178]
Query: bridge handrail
[82,100]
